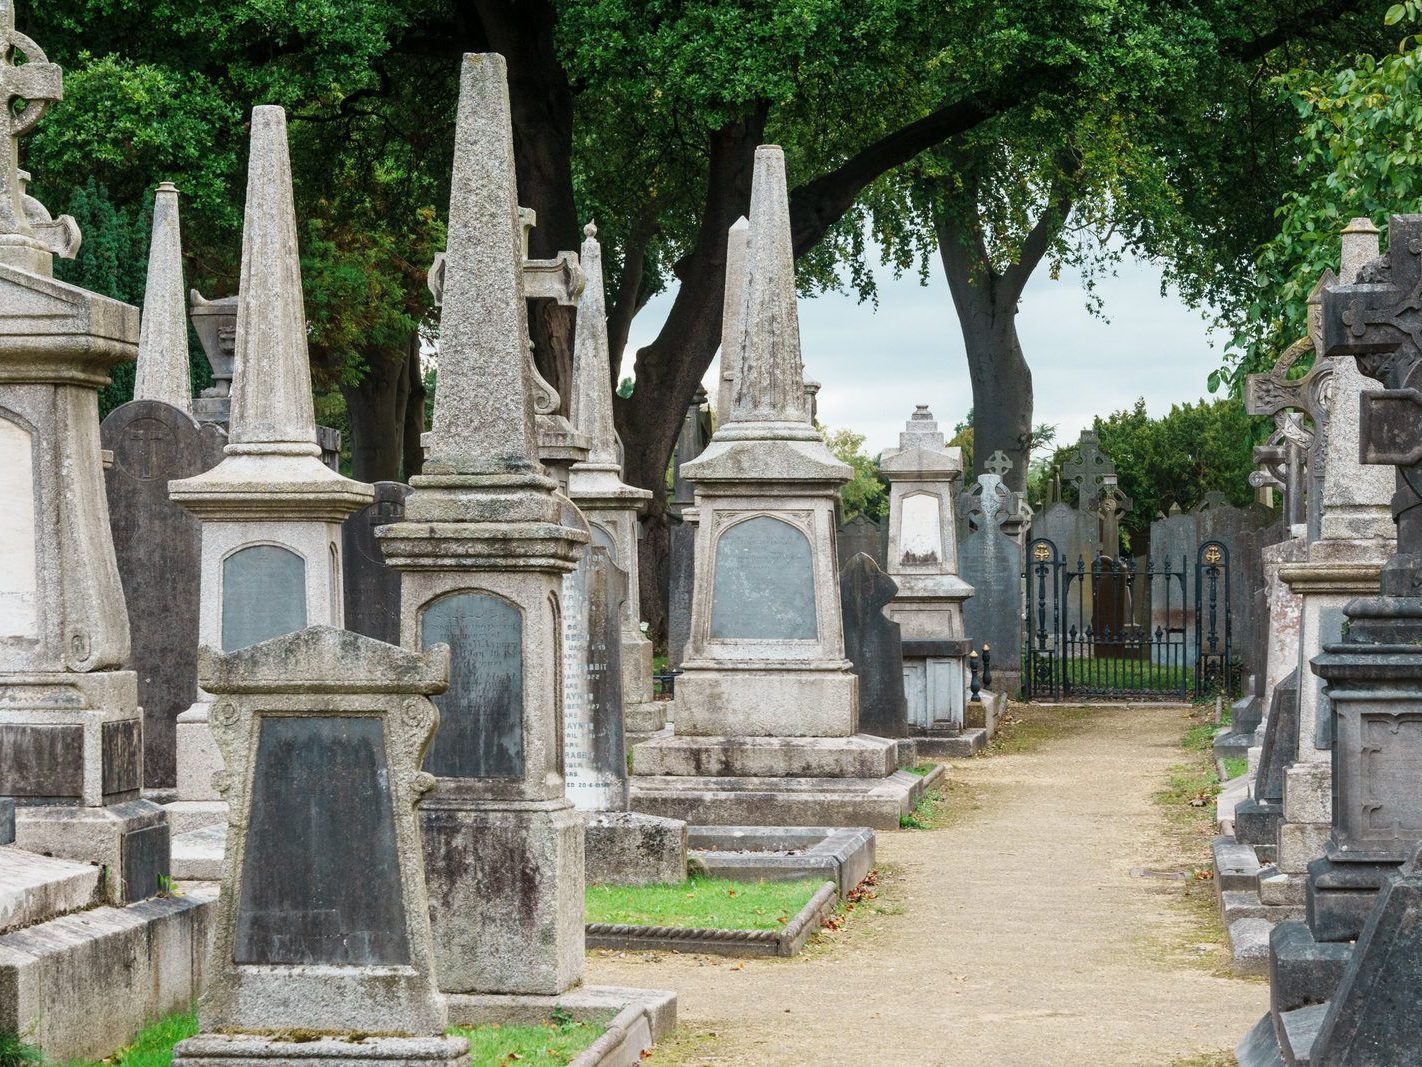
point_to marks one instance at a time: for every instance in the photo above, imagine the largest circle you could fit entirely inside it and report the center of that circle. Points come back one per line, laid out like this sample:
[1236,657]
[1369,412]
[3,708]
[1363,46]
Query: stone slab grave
[844,855]
[765,681]
[321,947]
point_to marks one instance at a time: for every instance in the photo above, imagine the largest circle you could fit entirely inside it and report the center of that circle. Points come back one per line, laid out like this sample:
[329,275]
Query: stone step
[876,803]
[858,756]
[1249,945]
[1260,1047]
[35,889]
[197,854]
[1242,904]
[1236,864]
[968,742]
[133,965]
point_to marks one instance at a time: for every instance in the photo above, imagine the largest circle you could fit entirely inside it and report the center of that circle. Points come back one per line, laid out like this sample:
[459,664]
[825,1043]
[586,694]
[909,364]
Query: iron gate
[1114,630]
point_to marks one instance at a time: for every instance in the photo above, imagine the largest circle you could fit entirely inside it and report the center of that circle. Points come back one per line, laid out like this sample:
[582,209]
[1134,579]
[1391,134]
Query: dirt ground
[1039,926]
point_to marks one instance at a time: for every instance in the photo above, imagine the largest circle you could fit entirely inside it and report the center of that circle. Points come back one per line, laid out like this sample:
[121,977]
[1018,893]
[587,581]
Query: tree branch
[1298,22]
[1046,230]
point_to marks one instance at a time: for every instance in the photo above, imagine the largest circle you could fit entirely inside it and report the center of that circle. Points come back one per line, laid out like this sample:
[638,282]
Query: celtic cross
[38,83]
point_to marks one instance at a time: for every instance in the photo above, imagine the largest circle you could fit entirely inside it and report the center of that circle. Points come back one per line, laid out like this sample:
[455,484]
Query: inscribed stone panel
[764,585]
[19,577]
[263,595]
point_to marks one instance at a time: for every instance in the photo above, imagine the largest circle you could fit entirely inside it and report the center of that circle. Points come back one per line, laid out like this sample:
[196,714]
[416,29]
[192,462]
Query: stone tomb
[372,589]
[323,732]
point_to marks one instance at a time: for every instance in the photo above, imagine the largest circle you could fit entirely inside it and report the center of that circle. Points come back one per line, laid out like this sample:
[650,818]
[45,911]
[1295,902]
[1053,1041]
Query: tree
[866,492]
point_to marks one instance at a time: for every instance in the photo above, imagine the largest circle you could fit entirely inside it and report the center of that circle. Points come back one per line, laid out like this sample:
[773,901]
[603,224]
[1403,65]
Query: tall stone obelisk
[482,555]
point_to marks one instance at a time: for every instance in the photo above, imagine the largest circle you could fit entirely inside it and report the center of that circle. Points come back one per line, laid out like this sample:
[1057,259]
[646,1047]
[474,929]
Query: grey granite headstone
[597,758]
[263,595]
[1174,539]
[1243,531]
[861,534]
[481,716]
[992,563]
[873,644]
[7,821]
[372,588]
[320,880]
[764,582]
[681,579]
[158,546]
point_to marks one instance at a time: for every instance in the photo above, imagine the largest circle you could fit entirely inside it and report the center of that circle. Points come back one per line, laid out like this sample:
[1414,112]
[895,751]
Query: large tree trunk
[986,302]
[375,409]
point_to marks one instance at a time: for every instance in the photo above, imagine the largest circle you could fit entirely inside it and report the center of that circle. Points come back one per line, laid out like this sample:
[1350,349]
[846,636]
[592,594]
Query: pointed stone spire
[272,410]
[732,326]
[482,418]
[771,382]
[163,341]
[592,373]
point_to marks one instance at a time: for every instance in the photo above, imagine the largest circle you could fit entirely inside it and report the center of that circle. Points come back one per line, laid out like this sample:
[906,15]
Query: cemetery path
[1016,934]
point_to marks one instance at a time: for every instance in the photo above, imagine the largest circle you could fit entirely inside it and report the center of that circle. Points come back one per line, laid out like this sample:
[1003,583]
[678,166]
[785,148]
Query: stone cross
[38,83]
[1378,320]
[560,278]
[1111,504]
[1087,468]
[998,464]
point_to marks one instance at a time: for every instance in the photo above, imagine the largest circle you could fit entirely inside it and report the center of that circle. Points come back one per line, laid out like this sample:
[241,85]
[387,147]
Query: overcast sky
[874,365]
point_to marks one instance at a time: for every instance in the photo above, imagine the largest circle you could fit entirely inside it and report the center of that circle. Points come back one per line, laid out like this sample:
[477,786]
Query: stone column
[271,511]
[71,736]
[595,485]
[732,325]
[923,561]
[483,552]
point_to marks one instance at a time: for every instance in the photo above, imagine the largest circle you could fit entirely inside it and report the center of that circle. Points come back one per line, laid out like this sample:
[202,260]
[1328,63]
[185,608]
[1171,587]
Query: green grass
[921,769]
[1235,766]
[153,1047]
[708,903]
[552,1043]
[16,1053]
[1138,675]
[926,813]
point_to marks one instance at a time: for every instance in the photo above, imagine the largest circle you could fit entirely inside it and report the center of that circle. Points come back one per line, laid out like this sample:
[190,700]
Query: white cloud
[875,364]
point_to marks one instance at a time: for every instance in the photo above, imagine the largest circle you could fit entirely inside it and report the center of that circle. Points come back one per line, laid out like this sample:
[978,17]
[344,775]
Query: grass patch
[17,1053]
[921,769]
[542,1045]
[153,1047]
[1235,766]
[1130,675]
[1024,727]
[707,903]
[927,813]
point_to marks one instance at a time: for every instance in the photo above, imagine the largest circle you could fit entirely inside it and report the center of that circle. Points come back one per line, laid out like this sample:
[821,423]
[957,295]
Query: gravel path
[1017,934]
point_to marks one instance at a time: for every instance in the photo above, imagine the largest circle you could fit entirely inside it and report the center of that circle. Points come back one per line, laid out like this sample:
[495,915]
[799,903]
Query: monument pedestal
[630,848]
[502,877]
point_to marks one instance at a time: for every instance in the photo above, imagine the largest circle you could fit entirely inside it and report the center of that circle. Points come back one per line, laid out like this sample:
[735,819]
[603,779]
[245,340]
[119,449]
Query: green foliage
[153,1047]
[16,1053]
[867,491]
[551,1044]
[705,903]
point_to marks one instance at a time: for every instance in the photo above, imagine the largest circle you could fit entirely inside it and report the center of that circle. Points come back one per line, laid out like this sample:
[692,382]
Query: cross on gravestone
[1087,468]
[38,83]
[1379,321]
[998,464]
[1111,504]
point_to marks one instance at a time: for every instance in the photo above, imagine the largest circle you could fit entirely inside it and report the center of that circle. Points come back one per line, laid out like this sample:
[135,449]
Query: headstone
[158,546]
[861,534]
[372,589]
[322,946]
[71,744]
[993,563]
[873,645]
[483,551]
[1174,539]
[595,758]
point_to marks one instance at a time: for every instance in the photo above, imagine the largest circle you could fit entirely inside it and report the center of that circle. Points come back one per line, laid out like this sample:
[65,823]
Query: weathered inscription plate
[19,577]
[122,743]
[764,586]
[147,859]
[263,595]
[481,716]
[920,530]
[321,874]
[40,761]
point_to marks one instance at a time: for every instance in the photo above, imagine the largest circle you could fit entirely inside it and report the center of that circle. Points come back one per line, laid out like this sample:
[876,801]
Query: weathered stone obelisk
[732,327]
[595,485]
[482,556]
[71,736]
[271,511]
[767,692]
[154,439]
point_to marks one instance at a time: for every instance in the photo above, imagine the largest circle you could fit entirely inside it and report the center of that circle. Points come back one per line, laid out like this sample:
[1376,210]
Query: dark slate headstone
[263,595]
[372,588]
[122,746]
[147,859]
[873,644]
[158,546]
[764,583]
[1375,1017]
[1256,820]
[1243,531]
[321,876]
[992,563]
[861,534]
[681,580]
[607,591]
[7,821]
[481,716]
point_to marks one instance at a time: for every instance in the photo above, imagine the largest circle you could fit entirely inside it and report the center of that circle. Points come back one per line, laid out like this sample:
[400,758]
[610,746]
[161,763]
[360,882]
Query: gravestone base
[505,885]
[857,756]
[1303,971]
[945,743]
[629,848]
[641,1017]
[297,1050]
[1256,822]
[787,699]
[130,840]
[705,801]
[1341,894]
[647,717]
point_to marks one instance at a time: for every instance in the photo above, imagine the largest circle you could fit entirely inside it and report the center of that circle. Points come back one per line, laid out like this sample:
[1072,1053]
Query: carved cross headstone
[38,83]
[1088,468]
[1111,504]
[998,464]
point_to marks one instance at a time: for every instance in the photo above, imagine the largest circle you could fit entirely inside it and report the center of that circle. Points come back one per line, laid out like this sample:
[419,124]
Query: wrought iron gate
[1111,629]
